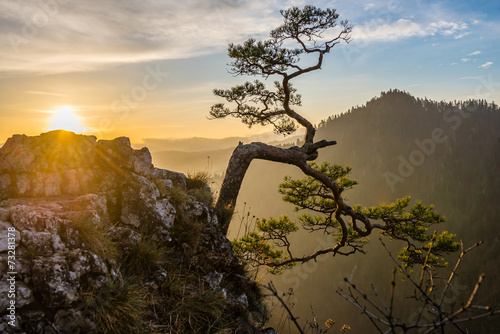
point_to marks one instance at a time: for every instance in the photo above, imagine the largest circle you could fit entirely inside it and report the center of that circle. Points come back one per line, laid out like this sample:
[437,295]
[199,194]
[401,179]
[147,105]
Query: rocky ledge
[96,239]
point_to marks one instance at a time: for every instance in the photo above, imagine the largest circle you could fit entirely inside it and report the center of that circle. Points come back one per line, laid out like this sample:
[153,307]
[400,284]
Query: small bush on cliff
[198,186]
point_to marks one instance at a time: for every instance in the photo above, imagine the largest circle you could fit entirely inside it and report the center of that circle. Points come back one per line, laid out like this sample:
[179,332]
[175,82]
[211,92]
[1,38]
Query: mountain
[191,162]
[200,144]
[444,153]
[98,240]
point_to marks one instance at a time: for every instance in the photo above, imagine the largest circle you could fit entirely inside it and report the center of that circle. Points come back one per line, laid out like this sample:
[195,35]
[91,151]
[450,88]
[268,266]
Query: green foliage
[412,226]
[309,193]
[310,22]
[270,246]
[255,104]
[259,247]
[304,26]
[249,96]
[431,253]
[118,307]
[178,197]
[261,57]
[402,222]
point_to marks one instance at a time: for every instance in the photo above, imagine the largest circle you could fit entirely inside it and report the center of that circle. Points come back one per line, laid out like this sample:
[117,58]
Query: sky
[146,69]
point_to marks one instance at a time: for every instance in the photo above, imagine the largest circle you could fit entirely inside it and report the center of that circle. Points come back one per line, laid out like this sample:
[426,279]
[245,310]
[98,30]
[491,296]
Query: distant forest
[444,153]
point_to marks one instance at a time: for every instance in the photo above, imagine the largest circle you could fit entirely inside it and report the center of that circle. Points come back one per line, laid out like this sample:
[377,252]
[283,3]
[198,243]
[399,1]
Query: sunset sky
[146,69]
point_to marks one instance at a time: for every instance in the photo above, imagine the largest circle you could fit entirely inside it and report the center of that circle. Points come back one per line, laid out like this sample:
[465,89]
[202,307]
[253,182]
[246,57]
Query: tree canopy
[314,31]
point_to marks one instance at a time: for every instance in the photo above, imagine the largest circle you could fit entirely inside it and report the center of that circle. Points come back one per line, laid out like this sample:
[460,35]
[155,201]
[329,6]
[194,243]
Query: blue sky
[95,57]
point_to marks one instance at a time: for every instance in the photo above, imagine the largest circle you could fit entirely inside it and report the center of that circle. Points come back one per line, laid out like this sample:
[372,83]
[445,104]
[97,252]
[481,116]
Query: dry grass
[118,307]
[96,238]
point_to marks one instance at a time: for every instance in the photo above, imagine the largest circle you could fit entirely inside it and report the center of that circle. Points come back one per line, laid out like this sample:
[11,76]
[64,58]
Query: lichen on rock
[106,242]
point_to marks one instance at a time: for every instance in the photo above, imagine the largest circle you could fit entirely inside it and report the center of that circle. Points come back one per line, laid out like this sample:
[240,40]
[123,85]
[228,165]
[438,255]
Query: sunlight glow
[65,119]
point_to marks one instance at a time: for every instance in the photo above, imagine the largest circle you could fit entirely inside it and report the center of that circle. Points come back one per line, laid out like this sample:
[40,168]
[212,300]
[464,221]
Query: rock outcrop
[102,241]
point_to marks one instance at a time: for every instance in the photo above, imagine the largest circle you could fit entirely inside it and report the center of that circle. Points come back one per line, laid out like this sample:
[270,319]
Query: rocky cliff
[94,238]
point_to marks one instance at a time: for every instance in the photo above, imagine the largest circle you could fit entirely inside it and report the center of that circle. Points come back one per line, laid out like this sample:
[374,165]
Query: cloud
[461,35]
[44,93]
[464,60]
[373,31]
[475,53]
[369,6]
[448,28]
[85,35]
[377,30]
[486,65]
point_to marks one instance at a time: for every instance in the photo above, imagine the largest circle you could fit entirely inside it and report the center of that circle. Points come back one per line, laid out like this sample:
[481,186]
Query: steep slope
[102,241]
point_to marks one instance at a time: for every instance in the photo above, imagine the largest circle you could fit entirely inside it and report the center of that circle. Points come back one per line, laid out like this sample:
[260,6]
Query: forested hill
[445,153]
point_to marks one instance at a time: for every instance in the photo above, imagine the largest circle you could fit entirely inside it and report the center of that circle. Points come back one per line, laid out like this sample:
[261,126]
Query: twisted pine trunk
[240,161]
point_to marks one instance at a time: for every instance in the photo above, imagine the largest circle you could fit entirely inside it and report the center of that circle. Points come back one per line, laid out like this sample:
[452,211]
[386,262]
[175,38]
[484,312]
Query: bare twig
[427,296]
[270,287]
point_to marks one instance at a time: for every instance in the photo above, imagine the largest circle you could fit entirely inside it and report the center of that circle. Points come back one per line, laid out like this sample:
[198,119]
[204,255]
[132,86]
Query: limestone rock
[87,214]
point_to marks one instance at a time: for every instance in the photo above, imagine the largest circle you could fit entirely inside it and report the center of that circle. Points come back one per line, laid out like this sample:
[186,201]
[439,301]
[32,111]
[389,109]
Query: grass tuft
[96,238]
[190,306]
[141,259]
[178,198]
[197,185]
[118,307]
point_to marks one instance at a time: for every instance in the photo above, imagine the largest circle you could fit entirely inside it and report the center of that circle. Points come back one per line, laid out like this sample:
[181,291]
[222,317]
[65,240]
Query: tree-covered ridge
[459,174]
[402,102]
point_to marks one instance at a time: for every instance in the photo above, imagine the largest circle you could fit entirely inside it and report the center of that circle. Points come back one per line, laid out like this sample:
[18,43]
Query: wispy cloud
[486,65]
[464,60]
[91,34]
[373,31]
[44,93]
[405,28]
[475,53]
[83,35]
[448,28]
[369,6]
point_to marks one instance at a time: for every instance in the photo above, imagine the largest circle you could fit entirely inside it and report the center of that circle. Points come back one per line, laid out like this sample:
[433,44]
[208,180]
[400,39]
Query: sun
[65,119]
